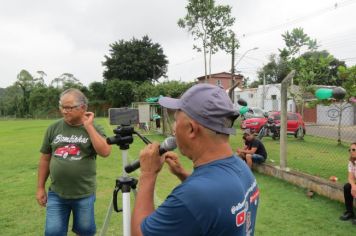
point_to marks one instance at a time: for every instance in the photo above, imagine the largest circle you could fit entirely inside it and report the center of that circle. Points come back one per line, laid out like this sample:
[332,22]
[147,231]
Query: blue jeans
[58,212]
[257,158]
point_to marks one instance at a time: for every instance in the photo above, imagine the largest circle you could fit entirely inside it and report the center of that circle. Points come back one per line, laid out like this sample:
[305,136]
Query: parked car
[295,122]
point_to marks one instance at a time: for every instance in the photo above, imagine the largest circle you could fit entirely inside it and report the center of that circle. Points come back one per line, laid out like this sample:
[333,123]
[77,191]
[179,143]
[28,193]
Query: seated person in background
[239,150]
[350,186]
[254,150]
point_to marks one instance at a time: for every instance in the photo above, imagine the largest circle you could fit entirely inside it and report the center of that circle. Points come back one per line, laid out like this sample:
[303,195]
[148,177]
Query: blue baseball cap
[207,104]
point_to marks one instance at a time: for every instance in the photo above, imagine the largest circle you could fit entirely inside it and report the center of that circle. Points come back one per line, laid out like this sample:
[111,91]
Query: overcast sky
[72,36]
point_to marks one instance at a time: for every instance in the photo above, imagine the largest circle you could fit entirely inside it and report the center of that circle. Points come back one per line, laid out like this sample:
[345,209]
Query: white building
[249,95]
[267,97]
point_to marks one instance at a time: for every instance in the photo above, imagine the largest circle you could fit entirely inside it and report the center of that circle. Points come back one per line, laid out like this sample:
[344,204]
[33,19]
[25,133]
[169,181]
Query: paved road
[348,134]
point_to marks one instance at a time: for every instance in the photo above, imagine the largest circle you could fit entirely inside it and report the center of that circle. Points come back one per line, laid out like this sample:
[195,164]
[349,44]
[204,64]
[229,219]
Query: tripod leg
[126,213]
[107,219]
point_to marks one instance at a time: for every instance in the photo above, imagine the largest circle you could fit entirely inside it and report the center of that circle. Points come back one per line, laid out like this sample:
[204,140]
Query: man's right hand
[150,160]
[41,197]
[175,167]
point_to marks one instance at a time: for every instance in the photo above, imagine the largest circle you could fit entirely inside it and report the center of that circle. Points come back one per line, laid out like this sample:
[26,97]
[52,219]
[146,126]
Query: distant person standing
[350,186]
[254,151]
[69,150]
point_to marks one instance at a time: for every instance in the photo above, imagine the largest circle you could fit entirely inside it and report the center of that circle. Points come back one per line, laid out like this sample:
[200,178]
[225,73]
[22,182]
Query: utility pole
[231,91]
[233,65]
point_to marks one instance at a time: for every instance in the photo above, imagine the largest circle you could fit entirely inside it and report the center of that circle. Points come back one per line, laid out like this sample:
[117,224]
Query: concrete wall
[329,115]
[332,190]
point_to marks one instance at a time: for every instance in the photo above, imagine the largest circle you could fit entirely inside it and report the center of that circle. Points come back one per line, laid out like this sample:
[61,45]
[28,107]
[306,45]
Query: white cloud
[27,39]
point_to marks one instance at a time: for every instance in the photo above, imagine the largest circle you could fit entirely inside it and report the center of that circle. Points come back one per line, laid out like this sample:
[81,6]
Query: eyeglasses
[352,150]
[69,109]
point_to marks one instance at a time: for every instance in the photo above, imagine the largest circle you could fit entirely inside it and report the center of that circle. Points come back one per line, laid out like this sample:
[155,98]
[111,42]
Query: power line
[256,59]
[300,19]
[184,62]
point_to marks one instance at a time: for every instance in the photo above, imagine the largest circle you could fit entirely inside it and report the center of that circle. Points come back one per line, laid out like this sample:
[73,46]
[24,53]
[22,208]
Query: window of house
[218,82]
[274,97]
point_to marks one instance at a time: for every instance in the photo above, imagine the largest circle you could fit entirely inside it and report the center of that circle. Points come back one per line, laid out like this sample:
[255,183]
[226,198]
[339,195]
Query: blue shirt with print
[219,198]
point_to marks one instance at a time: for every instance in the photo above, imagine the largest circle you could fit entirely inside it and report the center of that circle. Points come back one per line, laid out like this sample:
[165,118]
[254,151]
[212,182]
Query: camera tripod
[124,183]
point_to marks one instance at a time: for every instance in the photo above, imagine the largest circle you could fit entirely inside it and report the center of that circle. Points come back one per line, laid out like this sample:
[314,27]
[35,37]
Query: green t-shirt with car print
[73,159]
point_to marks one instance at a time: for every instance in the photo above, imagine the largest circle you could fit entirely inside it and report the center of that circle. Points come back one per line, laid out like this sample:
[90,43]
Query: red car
[294,121]
[70,149]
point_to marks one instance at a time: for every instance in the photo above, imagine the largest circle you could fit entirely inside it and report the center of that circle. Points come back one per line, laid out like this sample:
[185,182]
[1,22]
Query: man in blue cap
[220,196]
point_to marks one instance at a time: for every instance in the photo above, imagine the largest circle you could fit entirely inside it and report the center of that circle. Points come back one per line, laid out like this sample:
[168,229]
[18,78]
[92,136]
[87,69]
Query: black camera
[124,118]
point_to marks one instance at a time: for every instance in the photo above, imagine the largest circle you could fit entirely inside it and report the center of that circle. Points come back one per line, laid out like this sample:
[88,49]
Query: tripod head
[124,137]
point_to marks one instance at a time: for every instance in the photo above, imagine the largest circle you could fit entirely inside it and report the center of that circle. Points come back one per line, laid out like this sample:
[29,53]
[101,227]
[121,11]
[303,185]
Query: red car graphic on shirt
[70,149]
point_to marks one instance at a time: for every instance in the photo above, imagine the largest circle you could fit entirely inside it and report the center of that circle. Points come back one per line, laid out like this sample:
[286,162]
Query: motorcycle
[270,128]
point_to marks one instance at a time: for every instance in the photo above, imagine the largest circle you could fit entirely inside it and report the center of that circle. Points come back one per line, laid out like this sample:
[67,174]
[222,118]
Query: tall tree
[97,97]
[297,41]
[219,31]
[274,71]
[44,102]
[135,60]
[11,101]
[314,68]
[325,67]
[65,81]
[26,82]
[348,77]
[173,89]
[307,68]
[2,102]
[210,25]
[40,77]
[144,91]
[120,93]
[97,91]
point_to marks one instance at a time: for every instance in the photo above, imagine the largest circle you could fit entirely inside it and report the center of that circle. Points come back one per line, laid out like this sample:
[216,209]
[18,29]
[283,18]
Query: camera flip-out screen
[123,116]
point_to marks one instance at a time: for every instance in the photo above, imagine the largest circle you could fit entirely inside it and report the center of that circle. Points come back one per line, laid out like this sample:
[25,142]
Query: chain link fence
[323,151]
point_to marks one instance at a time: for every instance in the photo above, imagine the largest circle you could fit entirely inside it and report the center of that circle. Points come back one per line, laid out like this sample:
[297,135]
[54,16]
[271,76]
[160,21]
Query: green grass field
[284,209]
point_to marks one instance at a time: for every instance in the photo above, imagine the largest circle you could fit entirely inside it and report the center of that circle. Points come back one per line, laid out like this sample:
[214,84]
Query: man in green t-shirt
[68,155]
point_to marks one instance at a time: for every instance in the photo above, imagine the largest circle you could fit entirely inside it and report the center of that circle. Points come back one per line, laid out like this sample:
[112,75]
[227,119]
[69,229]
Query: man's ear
[194,128]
